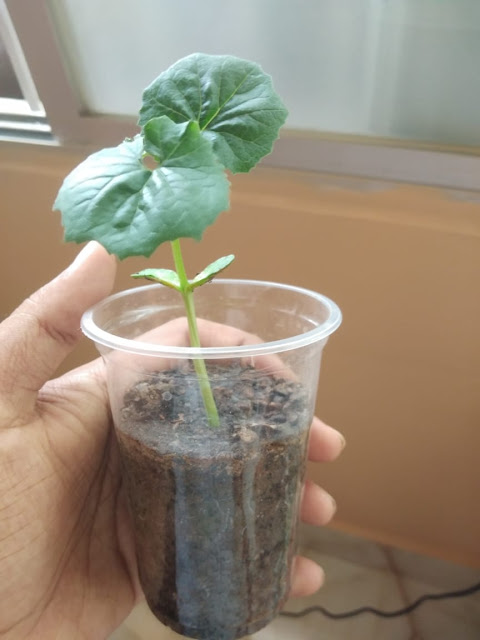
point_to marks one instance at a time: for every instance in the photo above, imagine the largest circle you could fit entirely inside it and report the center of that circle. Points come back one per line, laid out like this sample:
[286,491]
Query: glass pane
[391,68]
[9,87]
[21,114]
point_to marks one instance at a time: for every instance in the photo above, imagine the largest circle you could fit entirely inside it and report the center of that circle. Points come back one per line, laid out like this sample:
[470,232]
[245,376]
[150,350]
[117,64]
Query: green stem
[198,363]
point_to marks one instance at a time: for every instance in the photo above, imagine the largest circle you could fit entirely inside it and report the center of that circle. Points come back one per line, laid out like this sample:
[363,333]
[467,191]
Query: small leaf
[232,100]
[211,271]
[130,209]
[164,276]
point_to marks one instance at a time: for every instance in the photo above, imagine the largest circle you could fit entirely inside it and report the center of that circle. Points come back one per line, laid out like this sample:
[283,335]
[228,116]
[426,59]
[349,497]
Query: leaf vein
[168,108]
[220,107]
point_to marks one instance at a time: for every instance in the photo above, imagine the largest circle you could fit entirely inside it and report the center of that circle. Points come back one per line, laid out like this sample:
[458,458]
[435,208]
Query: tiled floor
[361,573]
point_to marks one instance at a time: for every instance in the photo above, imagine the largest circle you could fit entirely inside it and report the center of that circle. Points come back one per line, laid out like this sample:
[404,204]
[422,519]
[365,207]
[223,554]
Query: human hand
[67,562]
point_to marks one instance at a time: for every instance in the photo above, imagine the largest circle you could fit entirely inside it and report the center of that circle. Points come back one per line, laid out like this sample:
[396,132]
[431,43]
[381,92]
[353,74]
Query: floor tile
[311,629]
[446,619]
[455,619]
[359,573]
[348,586]
[444,575]
[141,624]
[338,544]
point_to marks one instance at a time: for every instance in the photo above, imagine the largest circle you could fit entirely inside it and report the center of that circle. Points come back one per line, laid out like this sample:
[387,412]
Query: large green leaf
[112,197]
[232,100]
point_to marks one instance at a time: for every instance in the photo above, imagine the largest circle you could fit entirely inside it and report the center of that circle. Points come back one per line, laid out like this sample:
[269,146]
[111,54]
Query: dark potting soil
[214,509]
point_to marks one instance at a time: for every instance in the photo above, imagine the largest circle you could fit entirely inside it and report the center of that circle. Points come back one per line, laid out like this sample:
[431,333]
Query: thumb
[44,329]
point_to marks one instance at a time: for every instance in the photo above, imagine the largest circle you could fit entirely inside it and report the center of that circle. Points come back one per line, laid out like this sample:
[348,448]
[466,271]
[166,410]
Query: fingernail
[343,442]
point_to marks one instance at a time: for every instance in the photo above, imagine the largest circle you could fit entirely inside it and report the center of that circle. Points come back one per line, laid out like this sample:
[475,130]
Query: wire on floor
[461,593]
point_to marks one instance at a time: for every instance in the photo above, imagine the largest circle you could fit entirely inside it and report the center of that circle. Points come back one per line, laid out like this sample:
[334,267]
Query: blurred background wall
[400,378]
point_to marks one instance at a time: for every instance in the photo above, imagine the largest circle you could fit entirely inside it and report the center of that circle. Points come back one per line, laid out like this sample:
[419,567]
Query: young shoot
[200,118]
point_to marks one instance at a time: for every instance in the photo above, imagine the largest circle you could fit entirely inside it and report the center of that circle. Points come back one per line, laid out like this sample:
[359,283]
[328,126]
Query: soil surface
[214,509]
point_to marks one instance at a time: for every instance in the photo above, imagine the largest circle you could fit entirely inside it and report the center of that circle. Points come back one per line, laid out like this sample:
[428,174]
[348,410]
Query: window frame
[359,156]
[22,118]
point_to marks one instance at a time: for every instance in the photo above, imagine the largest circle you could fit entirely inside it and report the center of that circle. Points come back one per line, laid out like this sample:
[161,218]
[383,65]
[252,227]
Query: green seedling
[200,118]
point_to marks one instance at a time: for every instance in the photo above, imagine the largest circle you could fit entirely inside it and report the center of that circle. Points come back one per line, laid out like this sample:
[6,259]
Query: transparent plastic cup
[214,508]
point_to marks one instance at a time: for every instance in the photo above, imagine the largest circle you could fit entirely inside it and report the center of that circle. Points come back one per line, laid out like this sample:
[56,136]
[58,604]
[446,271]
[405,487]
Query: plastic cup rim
[92,331]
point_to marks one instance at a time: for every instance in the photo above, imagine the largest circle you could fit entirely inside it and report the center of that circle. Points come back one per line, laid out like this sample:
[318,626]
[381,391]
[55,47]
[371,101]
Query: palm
[75,545]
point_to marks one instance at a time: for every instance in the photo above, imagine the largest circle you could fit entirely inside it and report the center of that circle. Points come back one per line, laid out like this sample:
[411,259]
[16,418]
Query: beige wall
[401,378]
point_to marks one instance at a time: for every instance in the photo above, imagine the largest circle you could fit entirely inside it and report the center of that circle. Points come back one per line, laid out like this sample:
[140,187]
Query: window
[9,83]
[379,88]
[21,112]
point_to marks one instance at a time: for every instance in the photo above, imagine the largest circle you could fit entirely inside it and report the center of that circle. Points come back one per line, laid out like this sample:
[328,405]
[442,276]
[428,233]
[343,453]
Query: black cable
[384,614]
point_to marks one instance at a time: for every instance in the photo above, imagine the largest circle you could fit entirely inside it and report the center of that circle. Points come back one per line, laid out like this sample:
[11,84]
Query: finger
[175,333]
[317,506]
[325,443]
[213,334]
[42,331]
[307,577]
[89,377]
